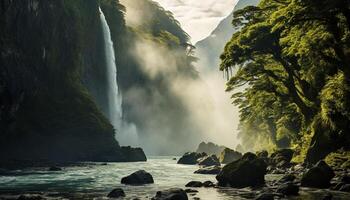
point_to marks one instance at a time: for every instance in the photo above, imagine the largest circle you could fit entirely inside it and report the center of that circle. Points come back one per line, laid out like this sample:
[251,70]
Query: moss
[339,159]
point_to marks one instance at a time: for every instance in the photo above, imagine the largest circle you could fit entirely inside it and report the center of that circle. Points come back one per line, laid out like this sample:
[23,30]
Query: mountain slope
[210,48]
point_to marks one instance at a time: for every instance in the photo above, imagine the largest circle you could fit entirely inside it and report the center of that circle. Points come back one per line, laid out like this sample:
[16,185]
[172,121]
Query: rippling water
[95,181]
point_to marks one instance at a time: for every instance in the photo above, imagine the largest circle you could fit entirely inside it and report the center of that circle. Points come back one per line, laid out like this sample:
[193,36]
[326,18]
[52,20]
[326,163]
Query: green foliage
[292,65]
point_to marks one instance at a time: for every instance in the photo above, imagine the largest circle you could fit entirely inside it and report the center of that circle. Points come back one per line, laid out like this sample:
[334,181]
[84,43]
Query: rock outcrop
[209,161]
[210,148]
[229,155]
[191,158]
[247,171]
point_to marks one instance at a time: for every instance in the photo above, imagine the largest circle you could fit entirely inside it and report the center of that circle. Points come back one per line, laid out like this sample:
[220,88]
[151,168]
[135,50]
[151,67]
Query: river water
[95,181]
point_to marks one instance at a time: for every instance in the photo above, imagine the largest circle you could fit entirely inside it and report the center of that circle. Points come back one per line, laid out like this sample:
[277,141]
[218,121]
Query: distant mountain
[210,48]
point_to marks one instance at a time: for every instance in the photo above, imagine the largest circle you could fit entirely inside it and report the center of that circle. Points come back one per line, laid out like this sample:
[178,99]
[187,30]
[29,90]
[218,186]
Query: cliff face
[50,72]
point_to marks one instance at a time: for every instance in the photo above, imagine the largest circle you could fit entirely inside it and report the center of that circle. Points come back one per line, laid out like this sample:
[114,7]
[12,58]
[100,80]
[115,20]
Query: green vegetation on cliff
[292,84]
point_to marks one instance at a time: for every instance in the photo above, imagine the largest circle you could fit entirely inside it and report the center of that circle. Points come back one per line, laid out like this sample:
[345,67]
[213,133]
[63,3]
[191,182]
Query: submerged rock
[318,176]
[191,158]
[247,171]
[191,191]
[171,194]
[116,193]
[194,184]
[209,161]
[208,184]
[229,155]
[138,178]
[345,188]
[209,170]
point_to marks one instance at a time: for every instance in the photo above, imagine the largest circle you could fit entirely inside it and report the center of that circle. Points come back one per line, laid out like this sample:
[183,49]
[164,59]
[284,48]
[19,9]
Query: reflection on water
[96,180]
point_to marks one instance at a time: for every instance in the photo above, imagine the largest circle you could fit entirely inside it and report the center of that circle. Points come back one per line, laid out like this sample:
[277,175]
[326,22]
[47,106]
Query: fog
[205,113]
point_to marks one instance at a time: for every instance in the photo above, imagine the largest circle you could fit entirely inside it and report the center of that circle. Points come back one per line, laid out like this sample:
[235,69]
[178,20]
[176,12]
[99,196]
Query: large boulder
[282,158]
[210,148]
[191,158]
[171,194]
[209,161]
[133,154]
[247,171]
[209,170]
[138,178]
[229,155]
[318,176]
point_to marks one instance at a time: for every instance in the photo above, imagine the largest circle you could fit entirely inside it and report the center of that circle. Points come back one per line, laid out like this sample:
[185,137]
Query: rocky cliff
[50,75]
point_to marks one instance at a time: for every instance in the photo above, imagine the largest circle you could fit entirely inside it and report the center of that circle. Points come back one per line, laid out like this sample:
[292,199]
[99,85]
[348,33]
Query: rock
[318,176]
[229,155]
[287,178]
[208,184]
[265,196]
[345,179]
[194,184]
[209,161]
[133,154]
[55,169]
[247,171]
[138,178]
[209,170]
[191,158]
[116,193]
[345,188]
[262,154]
[282,157]
[191,191]
[210,148]
[31,197]
[174,158]
[288,189]
[171,194]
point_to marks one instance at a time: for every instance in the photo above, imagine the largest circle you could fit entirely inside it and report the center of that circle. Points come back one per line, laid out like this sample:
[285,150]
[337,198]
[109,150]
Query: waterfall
[126,132]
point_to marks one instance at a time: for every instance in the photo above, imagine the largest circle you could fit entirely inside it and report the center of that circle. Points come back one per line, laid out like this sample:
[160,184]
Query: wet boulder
[116,193]
[318,176]
[171,194]
[282,158]
[209,161]
[247,171]
[287,178]
[229,155]
[208,184]
[138,178]
[194,184]
[209,170]
[262,154]
[191,158]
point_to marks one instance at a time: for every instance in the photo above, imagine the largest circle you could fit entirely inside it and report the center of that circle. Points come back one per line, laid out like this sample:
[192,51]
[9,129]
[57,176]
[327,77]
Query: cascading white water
[127,133]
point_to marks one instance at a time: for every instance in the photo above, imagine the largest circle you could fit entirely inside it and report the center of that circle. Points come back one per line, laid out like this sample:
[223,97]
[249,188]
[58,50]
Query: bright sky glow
[199,17]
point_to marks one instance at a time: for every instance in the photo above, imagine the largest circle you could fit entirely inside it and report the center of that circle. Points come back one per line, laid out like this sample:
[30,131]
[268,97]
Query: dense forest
[293,70]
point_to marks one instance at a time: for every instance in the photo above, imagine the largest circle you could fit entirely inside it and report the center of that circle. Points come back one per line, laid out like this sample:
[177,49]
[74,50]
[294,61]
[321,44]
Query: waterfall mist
[126,132]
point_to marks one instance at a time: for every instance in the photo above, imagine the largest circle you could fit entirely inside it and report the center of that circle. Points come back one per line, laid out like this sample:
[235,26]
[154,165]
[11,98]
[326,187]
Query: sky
[198,17]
